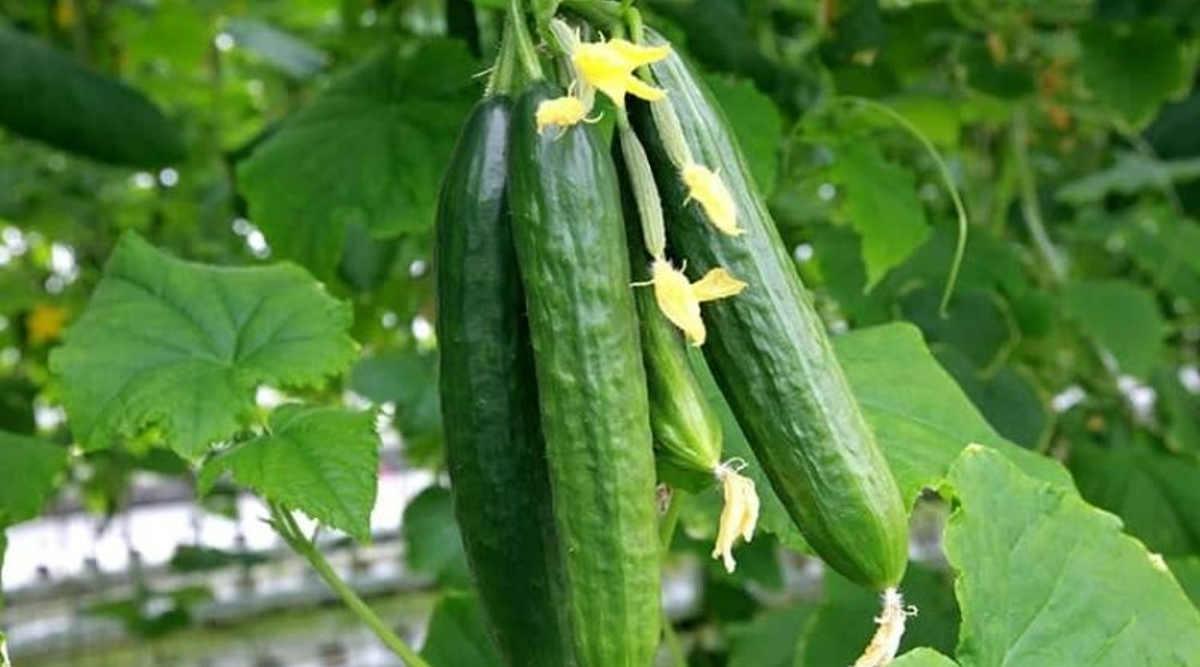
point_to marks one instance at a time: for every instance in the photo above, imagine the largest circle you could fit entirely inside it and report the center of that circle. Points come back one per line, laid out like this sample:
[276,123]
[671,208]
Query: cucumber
[494,446]
[770,353]
[572,254]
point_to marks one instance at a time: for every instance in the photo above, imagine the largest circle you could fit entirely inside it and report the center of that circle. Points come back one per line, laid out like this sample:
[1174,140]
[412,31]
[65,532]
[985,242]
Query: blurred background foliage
[237,133]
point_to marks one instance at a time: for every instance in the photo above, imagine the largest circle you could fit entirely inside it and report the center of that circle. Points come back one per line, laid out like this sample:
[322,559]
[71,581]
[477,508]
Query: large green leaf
[1046,580]
[1131,69]
[1187,573]
[768,640]
[458,634]
[369,150]
[323,461]
[29,470]
[1123,318]
[1006,397]
[180,346]
[1154,492]
[880,200]
[50,97]
[921,418]
[756,124]
[433,545]
[923,657]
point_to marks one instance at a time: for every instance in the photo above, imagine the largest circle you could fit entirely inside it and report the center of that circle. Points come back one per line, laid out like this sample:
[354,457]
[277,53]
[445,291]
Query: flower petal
[636,55]
[677,301]
[717,284]
[706,187]
[608,66]
[639,88]
[565,111]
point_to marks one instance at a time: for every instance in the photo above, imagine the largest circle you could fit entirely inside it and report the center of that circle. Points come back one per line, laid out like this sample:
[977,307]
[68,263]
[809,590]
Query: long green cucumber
[571,250]
[771,356]
[494,445]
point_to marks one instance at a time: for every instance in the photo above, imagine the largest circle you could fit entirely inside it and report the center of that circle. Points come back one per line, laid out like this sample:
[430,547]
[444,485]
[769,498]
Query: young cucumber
[493,438]
[771,356]
[570,242]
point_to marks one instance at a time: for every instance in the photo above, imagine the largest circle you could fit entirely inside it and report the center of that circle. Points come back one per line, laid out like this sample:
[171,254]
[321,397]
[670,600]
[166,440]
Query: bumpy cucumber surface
[772,358]
[494,445]
[571,250]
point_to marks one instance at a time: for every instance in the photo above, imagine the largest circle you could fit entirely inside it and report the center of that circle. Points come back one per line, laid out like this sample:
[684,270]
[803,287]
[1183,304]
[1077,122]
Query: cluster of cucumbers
[561,383]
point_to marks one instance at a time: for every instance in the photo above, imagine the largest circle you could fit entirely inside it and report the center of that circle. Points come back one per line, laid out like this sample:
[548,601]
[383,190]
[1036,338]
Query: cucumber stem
[604,13]
[285,524]
[502,78]
[882,649]
[524,44]
[666,526]
[1030,207]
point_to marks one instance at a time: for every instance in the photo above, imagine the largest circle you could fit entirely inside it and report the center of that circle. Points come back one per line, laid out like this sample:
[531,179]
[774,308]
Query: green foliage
[1132,69]
[434,547]
[31,469]
[756,123]
[322,461]
[1032,556]
[1104,310]
[377,140]
[458,634]
[923,657]
[881,203]
[161,334]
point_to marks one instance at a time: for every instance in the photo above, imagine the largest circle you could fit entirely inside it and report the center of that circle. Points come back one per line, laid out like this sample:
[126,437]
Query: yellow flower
[738,517]
[706,187]
[680,300]
[45,323]
[608,66]
[564,111]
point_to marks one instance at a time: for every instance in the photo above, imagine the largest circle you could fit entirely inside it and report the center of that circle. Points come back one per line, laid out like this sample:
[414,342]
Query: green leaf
[975,323]
[1182,411]
[30,469]
[880,200]
[433,545]
[289,53]
[843,626]
[1187,573]
[1131,69]
[1123,318]
[1154,493]
[1046,580]
[769,639]
[370,150]
[180,346]
[458,634]
[756,123]
[323,461]
[923,427]
[923,657]
[408,380]
[1006,397]
[1130,174]
[71,107]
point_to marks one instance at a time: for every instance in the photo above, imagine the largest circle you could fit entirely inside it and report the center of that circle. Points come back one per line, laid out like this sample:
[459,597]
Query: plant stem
[1030,207]
[285,524]
[501,80]
[604,13]
[947,178]
[524,44]
[666,527]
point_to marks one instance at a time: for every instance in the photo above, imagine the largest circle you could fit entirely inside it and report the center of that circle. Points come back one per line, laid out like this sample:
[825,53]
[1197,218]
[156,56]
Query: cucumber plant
[935,255]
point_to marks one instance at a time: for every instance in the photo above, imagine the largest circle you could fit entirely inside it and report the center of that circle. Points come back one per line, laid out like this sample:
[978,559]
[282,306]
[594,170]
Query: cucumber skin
[494,446]
[772,358]
[574,264]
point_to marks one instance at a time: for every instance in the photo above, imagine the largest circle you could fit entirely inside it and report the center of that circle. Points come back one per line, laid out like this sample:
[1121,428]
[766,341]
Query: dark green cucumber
[494,446]
[771,356]
[570,241]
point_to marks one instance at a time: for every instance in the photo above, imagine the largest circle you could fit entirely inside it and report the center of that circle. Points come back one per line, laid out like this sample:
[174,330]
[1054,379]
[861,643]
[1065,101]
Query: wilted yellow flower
[608,66]
[739,516]
[680,300]
[706,187]
[564,111]
[45,323]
